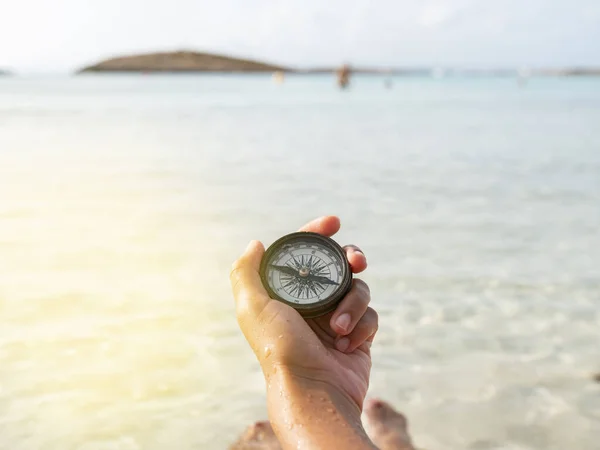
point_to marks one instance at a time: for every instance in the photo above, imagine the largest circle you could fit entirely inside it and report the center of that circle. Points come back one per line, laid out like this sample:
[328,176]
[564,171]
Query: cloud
[437,13]
[434,15]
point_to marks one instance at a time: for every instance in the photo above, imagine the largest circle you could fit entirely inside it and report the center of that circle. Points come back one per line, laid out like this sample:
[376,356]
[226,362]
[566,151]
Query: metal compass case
[307,271]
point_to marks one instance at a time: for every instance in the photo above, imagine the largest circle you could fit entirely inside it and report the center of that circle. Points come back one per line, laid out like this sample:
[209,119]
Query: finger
[326,225]
[249,293]
[366,346]
[356,258]
[363,333]
[351,308]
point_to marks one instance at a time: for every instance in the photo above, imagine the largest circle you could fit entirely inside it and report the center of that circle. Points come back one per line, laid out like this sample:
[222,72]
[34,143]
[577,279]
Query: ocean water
[124,200]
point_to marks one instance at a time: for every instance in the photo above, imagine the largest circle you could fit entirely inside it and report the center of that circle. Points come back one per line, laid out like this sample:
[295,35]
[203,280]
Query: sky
[63,35]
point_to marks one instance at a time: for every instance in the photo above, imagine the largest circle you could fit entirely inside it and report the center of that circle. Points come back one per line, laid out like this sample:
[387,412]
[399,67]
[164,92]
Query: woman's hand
[332,350]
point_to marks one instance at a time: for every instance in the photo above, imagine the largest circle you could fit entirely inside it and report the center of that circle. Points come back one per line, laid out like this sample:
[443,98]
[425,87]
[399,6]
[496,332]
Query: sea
[124,199]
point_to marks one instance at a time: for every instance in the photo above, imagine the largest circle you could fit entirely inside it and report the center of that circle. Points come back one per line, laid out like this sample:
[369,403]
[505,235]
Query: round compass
[307,271]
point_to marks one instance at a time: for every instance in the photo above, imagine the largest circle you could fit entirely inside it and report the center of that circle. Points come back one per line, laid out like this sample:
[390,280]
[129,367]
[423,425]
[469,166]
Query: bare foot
[259,436]
[387,428]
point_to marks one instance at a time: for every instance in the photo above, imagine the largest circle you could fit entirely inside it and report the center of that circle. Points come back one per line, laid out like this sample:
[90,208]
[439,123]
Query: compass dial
[307,271]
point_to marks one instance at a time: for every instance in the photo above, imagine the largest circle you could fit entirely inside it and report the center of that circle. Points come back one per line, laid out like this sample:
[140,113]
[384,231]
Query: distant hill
[570,72]
[190,61]
[181,61]
[4,73]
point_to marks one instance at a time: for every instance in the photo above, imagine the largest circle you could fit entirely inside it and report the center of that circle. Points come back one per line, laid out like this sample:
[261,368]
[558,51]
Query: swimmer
[343,76]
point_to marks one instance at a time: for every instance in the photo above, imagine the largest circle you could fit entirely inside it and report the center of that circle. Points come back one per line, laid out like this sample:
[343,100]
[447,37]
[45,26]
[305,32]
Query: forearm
[310,414]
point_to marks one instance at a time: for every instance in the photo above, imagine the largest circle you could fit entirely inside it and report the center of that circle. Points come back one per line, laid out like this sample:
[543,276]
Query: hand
[333,349]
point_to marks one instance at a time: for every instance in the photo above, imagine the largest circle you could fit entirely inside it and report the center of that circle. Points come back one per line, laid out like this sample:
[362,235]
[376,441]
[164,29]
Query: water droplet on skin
[281,336]
[267,352]
[330,410]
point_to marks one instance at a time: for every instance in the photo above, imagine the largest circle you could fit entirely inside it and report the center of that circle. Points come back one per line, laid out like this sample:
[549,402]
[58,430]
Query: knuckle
[362,287]
[242,314]
[369,323]
[243,306]
[235,284]
[236,270]
[375,320]
[373,315]
[249,304]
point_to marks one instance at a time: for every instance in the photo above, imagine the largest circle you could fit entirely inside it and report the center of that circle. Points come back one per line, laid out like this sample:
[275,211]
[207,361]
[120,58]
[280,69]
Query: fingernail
[343,322]
[343,344]
[249,246]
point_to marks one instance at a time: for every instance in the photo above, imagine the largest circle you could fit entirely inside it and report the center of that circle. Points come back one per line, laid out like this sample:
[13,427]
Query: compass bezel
[321,307]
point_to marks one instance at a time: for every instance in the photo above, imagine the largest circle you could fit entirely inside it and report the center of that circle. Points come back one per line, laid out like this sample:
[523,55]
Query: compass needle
[285,269]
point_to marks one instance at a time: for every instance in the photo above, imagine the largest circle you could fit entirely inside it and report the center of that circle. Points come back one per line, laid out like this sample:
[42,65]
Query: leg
[258,436]
[387,428]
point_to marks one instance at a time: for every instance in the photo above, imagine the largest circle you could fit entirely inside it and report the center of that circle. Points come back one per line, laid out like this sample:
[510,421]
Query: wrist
[308,412]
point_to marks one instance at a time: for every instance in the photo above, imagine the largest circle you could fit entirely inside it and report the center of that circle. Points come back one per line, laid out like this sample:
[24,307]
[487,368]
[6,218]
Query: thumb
[250,295]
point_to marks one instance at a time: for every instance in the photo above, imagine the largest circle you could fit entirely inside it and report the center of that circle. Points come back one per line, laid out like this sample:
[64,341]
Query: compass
[307,271]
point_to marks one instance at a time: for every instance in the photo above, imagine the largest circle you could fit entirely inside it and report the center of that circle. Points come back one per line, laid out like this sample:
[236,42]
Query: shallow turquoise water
[123,201]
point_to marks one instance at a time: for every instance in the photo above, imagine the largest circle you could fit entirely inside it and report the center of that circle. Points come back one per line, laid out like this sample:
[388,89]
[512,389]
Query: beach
[124,200]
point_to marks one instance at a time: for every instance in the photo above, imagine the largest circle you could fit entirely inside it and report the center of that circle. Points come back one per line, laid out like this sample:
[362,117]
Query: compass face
[307,271]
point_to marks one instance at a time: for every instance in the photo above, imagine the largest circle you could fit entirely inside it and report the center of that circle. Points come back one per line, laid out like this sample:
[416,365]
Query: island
[181,61]
[188,61]
[569,72]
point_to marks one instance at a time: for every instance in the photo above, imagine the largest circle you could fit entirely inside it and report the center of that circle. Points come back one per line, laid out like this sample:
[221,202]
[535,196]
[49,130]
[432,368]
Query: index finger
[326,225]
[248,291]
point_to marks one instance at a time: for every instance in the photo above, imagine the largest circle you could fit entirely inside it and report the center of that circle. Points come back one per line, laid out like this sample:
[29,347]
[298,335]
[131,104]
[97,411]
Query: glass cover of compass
[307,271]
